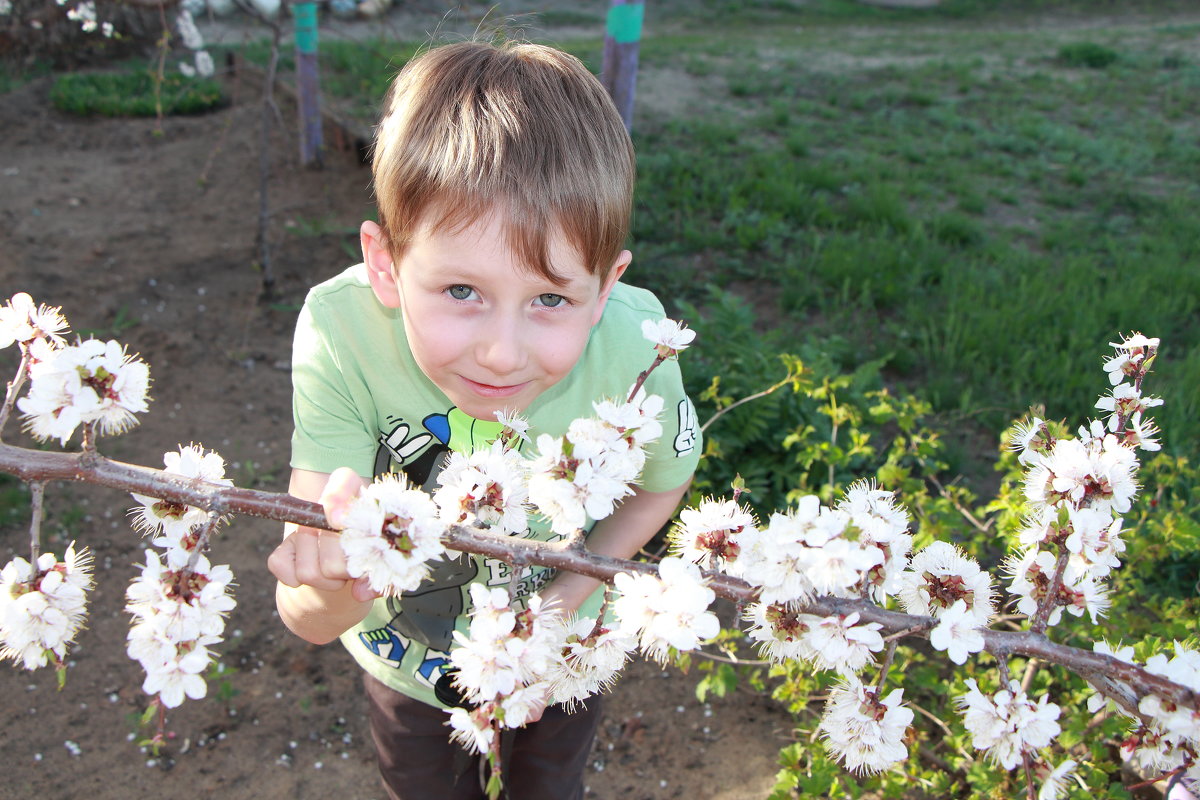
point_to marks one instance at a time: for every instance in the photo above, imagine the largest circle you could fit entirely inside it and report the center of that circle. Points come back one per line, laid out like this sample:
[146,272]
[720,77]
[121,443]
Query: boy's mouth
[488,390]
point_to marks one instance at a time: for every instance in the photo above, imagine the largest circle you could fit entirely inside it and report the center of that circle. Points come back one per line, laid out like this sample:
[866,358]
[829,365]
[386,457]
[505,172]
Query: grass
[133,93]
[979,196]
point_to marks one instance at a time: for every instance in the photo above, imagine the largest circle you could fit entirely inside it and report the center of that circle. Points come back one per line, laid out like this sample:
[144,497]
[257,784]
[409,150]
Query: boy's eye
[460,292]
[551,300]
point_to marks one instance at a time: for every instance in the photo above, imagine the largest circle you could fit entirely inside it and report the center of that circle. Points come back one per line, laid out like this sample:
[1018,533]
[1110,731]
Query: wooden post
[308,83]
[621,40]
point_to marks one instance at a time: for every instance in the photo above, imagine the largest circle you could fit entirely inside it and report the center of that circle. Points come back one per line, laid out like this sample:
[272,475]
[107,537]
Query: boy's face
[491,334]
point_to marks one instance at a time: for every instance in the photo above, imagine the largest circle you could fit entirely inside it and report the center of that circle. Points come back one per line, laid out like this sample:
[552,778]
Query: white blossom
[1123,402]
[840,643]
[668,611]
[710,534]
[43,606]
[487,487]
[1055,781]
[589,470]
[668,336]
[1098,474]
[1130,357]
[174,521]
[957,633]
[178,677]
[21,321]
[874,512]
[1095,541]
[505,650]
[391,532]
[91,382]
[591,658]
[839,565]
[516,427]
[1030,440]
[1097,700]
[861,731]
[1031,576]
[178,613]
[940,576]
[84,12]
[517,707]
[1150,751]
[1142,433]
[188,32]
[804,553]
[1008,723]
[204,64]
[472,728]
[1178,723]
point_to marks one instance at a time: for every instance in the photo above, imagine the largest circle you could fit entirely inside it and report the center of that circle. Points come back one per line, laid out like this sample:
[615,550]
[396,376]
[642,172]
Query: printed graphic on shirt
[685,440]
[426,615]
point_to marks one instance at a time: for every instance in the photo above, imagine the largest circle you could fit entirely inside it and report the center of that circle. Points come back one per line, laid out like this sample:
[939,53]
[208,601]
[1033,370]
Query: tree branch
[34,466]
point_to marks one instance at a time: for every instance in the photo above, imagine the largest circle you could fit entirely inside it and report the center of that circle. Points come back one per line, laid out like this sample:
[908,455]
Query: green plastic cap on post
[625,22]
[305,18]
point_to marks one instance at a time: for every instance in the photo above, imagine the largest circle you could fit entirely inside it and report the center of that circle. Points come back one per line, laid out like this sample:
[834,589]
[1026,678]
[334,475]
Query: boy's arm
[620,535]
[317,599]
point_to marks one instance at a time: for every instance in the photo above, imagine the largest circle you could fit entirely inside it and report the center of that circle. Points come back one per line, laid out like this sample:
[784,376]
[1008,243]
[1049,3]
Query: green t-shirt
[360,401]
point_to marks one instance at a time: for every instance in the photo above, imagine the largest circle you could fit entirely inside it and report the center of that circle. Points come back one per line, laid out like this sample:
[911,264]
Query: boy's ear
[380,269]
[618,269]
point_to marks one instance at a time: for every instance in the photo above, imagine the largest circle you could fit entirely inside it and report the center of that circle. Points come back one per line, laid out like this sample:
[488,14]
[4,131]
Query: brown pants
[417,760]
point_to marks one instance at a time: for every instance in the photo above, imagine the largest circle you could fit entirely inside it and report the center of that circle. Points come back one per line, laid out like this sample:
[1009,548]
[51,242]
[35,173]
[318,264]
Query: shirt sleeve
[330,423]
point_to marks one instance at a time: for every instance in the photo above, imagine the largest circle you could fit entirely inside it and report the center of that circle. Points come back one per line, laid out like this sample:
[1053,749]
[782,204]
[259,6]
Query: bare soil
[151,238]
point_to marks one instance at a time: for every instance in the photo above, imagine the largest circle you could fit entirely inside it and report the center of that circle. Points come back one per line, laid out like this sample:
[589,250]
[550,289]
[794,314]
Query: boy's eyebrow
[575,280]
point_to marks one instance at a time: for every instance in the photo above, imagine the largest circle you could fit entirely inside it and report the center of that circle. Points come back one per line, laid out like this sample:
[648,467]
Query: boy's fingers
[319,561]
[282,563]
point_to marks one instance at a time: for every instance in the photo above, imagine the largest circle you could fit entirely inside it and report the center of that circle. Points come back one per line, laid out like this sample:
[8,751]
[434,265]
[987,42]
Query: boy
[504,177]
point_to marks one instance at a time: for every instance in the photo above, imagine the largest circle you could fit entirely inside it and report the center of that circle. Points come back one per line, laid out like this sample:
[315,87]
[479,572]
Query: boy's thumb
[361,590]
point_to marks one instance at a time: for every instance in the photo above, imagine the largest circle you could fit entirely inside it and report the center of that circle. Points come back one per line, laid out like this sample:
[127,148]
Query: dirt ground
[151,239]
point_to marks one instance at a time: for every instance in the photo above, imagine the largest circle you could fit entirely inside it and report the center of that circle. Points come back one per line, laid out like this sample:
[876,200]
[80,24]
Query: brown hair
[522,128]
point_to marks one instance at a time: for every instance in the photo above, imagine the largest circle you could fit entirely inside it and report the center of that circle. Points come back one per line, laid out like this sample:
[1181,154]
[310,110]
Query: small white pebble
[151,762]
[345,754]
[679,709]
[37,756]
[72,748]
[662,784]
[318,765]
[292,745]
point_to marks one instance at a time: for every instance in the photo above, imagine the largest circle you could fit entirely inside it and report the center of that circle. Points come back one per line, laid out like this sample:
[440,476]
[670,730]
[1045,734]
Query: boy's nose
[500,350]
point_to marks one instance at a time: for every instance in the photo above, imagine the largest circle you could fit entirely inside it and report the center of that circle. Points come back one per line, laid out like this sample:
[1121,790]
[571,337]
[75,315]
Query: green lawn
[982,194]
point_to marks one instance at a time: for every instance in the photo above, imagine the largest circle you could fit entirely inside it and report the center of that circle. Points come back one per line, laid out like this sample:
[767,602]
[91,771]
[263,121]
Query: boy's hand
[314,557]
